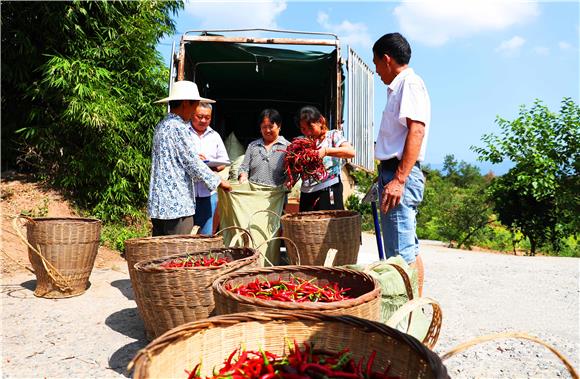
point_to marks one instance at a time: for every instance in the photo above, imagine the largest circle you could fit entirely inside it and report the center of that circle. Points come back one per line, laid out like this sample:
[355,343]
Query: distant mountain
[484,167]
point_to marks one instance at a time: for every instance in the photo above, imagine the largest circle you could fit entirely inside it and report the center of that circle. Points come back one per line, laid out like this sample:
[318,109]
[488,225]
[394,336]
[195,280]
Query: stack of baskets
[364,291]
[62,252]
[314,233]
[174,296]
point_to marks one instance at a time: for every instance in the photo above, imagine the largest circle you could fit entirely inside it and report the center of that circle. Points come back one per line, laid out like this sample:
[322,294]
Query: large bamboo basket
[62,252]
[314,233]
[172,297]
[140,249]
[364,290]
[210,341]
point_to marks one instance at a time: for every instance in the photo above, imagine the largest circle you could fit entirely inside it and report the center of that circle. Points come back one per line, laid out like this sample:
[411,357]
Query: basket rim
[70,220]
[315,215]
[176,237]
[144,356]
[140,266]
[375,293]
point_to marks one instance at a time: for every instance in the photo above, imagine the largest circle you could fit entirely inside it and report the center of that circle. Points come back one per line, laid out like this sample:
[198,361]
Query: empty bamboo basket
[62,251]
[314,233]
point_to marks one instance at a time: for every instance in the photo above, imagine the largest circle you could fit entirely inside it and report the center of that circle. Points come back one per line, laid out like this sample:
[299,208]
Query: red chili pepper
[302,160]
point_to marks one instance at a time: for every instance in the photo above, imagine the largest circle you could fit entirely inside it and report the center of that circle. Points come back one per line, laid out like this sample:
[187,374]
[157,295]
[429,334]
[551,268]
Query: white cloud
[541,50]
[435,22]
[564,45]
[511,46]
[236,14]
[352,33]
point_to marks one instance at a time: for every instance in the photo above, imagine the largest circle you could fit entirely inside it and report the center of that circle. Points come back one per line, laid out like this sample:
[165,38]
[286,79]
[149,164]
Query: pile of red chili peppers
[302,161]
[189,261]
[298,364]
[296,290]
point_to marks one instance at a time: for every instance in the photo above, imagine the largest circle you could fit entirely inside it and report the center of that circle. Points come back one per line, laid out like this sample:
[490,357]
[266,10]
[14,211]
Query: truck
[248,70]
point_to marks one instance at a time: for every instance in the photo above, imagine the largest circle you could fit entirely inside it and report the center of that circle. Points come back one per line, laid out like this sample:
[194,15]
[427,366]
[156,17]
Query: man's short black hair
[174,104]
[395,46]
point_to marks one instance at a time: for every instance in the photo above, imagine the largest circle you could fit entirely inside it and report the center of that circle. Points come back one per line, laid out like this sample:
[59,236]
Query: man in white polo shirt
[401,147]
[210,147]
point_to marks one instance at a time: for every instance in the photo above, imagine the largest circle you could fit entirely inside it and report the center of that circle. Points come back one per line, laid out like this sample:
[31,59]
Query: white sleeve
[415,103]
[222,153]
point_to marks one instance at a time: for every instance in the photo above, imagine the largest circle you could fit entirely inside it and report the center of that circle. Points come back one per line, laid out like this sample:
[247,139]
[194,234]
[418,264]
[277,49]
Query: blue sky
[479,59]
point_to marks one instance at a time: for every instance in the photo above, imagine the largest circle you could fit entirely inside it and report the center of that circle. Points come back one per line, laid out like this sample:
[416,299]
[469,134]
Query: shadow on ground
[127,322]
[124,285]
[121,358]
[29,285]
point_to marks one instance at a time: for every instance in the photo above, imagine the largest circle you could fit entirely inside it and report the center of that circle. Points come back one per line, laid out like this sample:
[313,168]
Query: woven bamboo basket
[172,297]
[511,335]
[210,341]
[62,252]
[316,232]
[140,249]
[364,290]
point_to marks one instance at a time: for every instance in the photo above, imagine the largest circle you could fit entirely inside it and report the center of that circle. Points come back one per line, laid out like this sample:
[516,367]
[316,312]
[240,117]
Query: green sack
[394,294]
[256,208]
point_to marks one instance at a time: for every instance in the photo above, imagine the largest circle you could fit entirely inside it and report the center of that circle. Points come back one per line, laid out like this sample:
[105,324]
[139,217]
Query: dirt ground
[21,195]
[98,333]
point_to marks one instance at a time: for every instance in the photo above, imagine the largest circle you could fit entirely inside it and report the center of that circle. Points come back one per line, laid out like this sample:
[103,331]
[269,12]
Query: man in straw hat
[176,165]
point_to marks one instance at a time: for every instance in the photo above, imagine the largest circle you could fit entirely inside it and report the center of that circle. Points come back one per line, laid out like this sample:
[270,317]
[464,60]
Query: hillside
[21,195]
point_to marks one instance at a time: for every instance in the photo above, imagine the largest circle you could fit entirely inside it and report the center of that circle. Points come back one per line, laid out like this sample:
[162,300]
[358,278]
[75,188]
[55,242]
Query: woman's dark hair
[309,113]
[273,115]
[395,46]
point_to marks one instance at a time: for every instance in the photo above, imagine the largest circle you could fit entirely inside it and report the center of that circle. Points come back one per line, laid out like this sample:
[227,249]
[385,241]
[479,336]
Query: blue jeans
[204,211]
[399,225]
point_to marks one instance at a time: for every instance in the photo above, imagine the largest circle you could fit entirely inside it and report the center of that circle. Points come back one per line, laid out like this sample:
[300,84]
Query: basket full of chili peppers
[177,289]
[286,345]
[330,290]
[302,161]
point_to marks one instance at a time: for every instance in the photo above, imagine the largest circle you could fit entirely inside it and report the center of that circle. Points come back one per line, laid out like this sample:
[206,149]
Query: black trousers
[182,225]
[329,198]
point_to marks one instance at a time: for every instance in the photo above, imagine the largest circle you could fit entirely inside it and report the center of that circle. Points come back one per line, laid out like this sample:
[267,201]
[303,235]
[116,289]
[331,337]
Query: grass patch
[114,235]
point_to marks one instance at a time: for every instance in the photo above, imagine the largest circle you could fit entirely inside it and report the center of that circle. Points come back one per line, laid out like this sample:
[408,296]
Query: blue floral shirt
[175,166]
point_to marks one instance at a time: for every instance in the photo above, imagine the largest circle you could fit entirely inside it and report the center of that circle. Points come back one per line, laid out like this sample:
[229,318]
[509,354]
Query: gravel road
[96,334]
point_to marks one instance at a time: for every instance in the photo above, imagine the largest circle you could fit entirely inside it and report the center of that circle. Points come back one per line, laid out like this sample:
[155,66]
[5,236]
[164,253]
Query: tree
[461,174]
[539,196]
[78,82]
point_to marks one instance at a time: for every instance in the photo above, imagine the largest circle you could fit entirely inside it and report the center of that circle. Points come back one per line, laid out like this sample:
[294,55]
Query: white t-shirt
[211,145]
[407,97]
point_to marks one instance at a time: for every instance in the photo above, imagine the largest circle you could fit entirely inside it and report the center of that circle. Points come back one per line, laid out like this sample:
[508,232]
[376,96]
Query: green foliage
[353,203]
[461,174]
[78,81]
[114,235]
[454,207]
[40,211]
[363,180]
[539,196]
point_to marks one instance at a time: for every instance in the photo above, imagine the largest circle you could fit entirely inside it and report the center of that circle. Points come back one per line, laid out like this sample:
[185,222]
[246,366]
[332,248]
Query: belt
[393,163]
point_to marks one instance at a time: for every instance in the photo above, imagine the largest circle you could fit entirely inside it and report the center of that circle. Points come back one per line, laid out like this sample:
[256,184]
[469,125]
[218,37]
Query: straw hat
[184,90]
